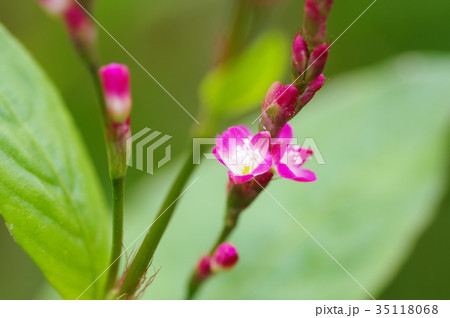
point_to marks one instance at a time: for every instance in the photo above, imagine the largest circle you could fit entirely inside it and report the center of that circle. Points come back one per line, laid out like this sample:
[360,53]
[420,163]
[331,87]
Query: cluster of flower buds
[78,23]
[115,79]
[223,259]
[309,57]
[252,160]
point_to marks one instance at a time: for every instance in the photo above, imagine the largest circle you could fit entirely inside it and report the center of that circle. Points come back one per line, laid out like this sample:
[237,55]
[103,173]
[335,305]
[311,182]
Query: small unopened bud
[285,96]
[115,79]
[204,268]
[80,27]
[225,258]
[315,21]
[310,91]
[57,7]
[278,107]
[280,97]
[299,55]
[317,62]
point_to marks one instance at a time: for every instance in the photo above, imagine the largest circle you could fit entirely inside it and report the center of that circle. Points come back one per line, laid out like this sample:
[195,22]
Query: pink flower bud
[57,7]
[278,107]
[317,62]
[115,79]
[299,54]
[204,268]
[225,258]
[311,90]
[80,26]
[283,97]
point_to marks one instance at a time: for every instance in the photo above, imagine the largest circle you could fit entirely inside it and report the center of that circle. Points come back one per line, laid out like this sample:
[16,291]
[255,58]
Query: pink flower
[115,79]
[57,7]
[225,258]
[245,155]
[288,159]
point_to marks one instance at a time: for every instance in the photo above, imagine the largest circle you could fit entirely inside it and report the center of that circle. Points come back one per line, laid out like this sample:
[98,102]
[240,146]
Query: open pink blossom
[288,159]
[245,155]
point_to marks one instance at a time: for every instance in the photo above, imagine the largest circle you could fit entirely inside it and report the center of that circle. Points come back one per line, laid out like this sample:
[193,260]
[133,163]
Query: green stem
[193,286]
[117,182]
[118,191]
[145,253]
[232,217]
[228,227]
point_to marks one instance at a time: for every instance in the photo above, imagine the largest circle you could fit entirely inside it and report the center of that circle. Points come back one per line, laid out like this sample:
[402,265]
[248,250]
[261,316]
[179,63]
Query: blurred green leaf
[383,134]
[50,197]
[240,85]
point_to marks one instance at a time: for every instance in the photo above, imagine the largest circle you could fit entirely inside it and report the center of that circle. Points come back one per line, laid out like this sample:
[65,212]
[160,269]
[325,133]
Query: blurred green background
[176,41]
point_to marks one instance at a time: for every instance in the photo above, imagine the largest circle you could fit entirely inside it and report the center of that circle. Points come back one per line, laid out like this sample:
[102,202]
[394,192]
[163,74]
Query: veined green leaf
[49,195]
[240,85]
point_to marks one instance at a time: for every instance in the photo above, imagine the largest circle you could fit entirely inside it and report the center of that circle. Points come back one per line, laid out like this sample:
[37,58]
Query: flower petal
[296,173]
[260,145]
[296,155]
[287,132]
[281,143]
[216,153]
[289,166]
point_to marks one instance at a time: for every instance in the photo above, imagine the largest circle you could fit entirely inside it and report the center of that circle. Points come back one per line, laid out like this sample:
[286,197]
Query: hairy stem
[145,253]
[230,223]
[118,191]
[117,182]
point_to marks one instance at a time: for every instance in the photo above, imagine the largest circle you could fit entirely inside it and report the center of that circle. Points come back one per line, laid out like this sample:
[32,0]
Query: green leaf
[383,133]
[239,86]
[50,197]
